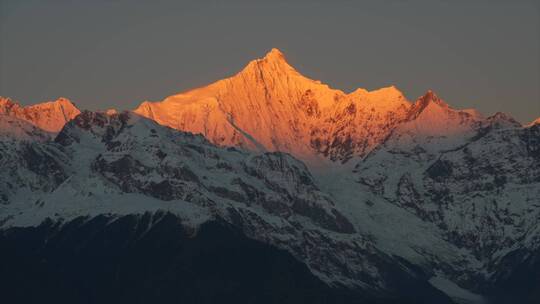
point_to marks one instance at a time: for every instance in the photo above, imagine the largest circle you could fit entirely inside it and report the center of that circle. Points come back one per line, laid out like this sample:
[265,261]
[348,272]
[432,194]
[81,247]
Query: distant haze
[116,54]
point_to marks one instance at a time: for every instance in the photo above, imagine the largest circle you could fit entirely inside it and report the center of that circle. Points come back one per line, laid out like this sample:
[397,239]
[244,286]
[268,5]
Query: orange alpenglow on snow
[48,116]
[534,122]
[270,106]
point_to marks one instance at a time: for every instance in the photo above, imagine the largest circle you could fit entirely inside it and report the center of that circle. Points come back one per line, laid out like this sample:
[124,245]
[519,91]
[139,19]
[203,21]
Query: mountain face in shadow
[152,258]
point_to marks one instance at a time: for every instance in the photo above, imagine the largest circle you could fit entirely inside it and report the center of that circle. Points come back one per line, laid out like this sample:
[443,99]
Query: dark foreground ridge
[99,261]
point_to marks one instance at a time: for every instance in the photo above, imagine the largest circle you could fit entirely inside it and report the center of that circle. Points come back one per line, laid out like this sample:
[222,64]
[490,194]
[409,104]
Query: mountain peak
[274,54]
[270,106]
[274,61]
[428,101]
[429,97]
[49,116]
[64,102]
[503,120]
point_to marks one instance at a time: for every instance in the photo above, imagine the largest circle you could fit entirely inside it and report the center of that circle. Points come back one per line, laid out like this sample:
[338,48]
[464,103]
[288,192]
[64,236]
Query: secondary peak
[430,96]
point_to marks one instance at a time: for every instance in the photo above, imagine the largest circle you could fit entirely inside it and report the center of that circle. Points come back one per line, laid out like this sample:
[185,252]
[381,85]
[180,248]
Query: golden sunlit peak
[275,56]
[273,61]
[430,96]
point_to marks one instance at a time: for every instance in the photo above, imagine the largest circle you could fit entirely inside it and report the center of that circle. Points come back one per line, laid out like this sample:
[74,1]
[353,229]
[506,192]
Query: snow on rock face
[487,191]
[28,167]
[476,180]
[102,162]
[502,120]
[26,164]
[433,125]
[358,123]
[141,156]
[49,116]
[270,105]
[13,128]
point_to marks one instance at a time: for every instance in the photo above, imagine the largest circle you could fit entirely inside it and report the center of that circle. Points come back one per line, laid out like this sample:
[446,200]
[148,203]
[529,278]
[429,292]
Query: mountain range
[269,187]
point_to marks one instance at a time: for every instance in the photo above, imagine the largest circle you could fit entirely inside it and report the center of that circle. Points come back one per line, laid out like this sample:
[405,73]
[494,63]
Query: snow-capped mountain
[372,198]
[49,116]
[269,106]
[124,164]
[477,180]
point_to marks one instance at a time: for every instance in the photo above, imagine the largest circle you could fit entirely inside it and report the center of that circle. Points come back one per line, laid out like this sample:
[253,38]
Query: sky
[117,53]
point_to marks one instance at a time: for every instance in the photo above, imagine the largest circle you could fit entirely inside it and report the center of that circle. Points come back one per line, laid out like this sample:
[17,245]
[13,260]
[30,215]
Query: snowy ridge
[478,189]
[49,116]
[123,164]
[126,164]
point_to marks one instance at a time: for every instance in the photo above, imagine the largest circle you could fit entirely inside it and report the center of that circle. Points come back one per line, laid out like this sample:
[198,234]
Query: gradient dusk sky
[115,54]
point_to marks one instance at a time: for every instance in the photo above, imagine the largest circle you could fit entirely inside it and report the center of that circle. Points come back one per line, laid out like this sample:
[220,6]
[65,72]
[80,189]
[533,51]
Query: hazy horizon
[116,54]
